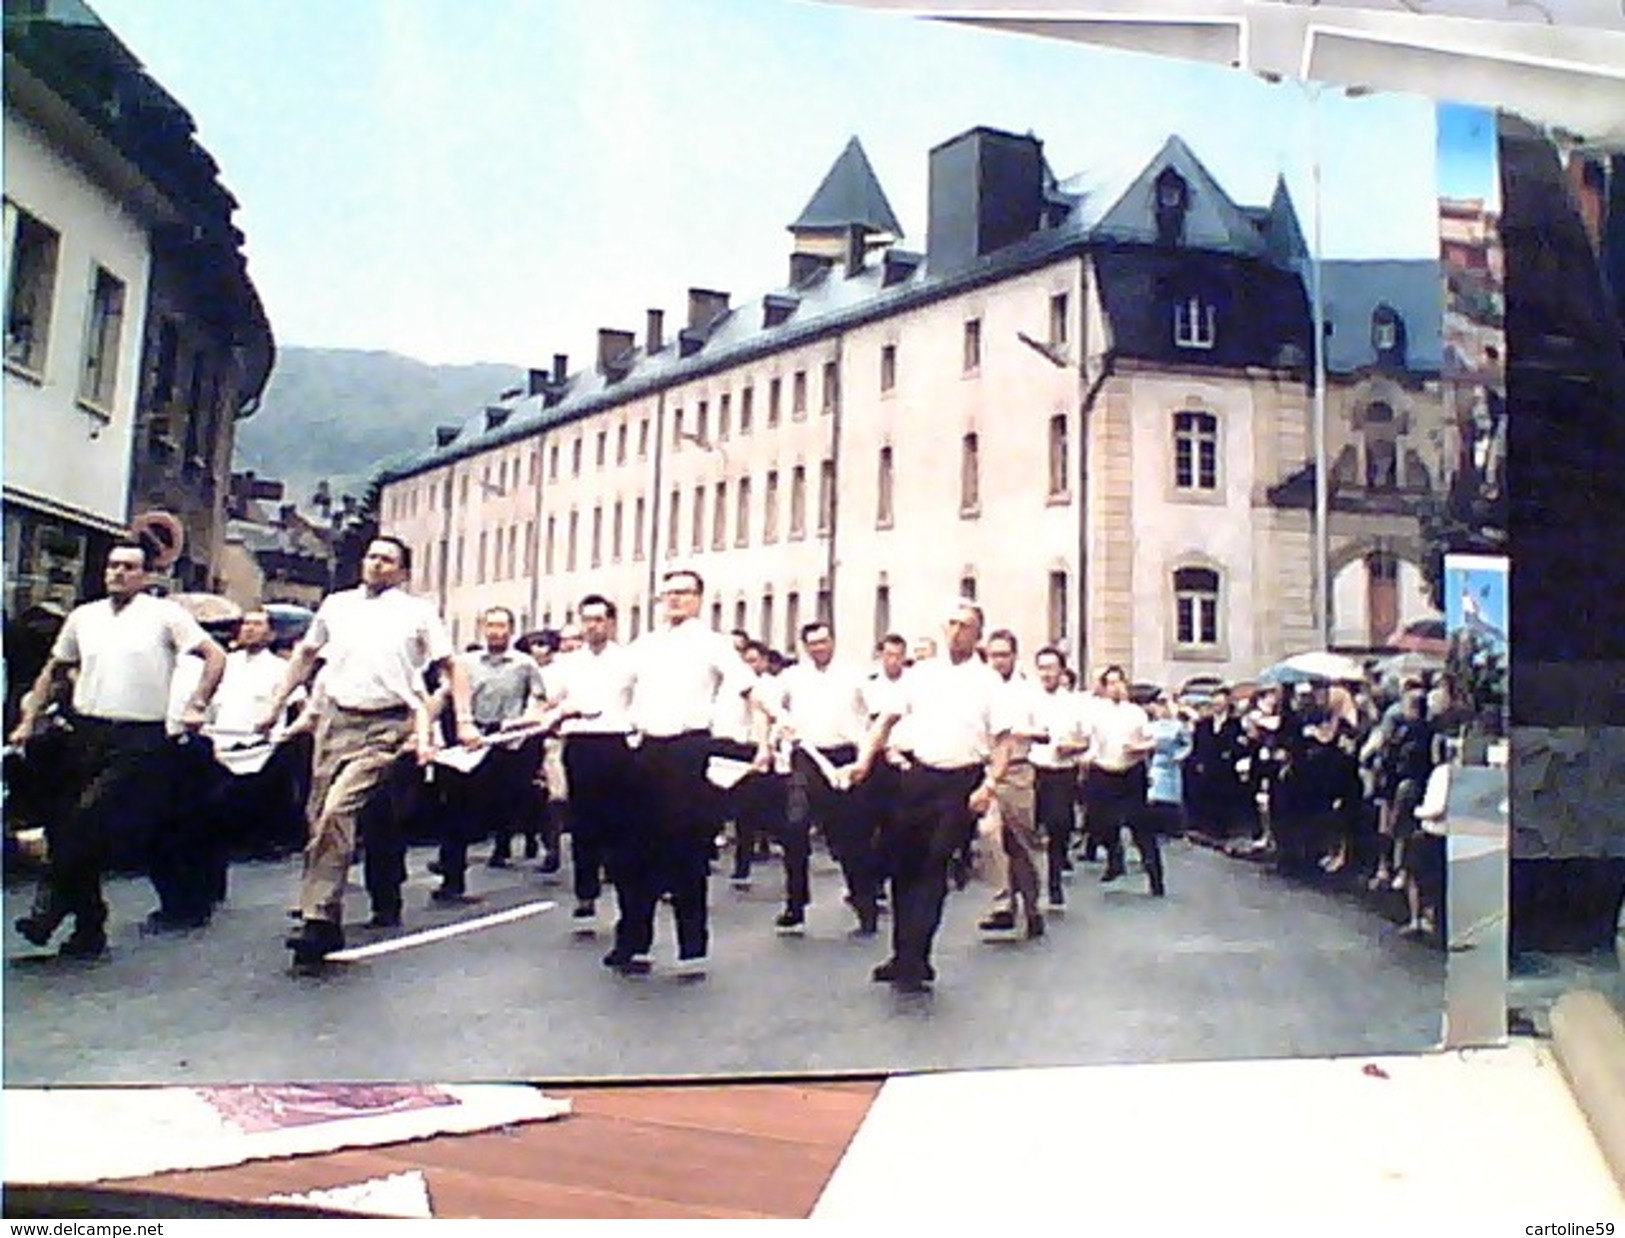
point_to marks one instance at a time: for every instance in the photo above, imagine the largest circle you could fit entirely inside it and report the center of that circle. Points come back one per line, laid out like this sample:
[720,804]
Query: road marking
[358,953]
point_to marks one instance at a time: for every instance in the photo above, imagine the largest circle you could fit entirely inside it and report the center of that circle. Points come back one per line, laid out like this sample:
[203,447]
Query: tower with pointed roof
[848,205]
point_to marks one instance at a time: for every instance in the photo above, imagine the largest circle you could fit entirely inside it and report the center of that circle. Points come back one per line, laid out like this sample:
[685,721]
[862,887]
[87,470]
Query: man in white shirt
[824,701]
[1120,743]
[1011,830]
[122,653]
[680,671]
[959,745]
[378,642]
[1056,765]
[757,804]
[596,680]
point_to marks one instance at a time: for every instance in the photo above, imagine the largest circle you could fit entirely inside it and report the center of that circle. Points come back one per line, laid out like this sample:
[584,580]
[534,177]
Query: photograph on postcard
[770,539]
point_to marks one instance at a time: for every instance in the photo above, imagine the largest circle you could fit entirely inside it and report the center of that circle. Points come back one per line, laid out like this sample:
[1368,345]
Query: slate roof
[849,194]
[1100,214]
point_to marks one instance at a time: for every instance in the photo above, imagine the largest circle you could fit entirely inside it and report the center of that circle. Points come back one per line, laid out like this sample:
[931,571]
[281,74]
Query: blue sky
[1468,167]
[494,180]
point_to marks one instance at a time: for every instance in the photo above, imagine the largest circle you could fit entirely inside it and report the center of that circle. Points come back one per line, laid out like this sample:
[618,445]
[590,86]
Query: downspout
[1108,362]
[831,560]
[655,502]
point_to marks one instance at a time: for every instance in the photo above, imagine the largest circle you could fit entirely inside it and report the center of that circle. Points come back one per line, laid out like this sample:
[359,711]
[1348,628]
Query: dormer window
[1388,336]
[1173,200]
[1195,320]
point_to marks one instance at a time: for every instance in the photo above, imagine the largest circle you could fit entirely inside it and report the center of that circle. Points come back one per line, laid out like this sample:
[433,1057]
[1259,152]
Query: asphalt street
[1235,962]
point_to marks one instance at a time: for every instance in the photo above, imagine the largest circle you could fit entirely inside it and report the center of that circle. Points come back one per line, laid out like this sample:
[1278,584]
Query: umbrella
[1427,636]
[288,621]
[208,608]
[1319,666]
[1404,665]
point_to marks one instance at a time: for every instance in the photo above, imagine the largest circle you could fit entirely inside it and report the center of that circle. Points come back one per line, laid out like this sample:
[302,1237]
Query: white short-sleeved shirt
[1112,727]
[680,674]
[595,683]
[126,658]
[1061,714]
[826,707]
[249,685]
[377,647]
[954,711]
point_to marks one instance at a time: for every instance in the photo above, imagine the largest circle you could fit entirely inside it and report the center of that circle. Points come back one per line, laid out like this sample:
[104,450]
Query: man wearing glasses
[680,671]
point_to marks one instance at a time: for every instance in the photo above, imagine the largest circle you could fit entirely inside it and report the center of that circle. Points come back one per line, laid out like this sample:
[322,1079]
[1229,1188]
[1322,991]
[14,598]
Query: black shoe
[315,940]
[84,944]
[1057,897]
[891,972]
[499,861]
[999,922]
[791,920]
[1111,874]
[1035,926]
[37,929]
[550,864]
[628,964]
[383,919]
[911,984]
[435,868]
[586,909]
[160,922]
[959,872]
[532,846]
[1158,890]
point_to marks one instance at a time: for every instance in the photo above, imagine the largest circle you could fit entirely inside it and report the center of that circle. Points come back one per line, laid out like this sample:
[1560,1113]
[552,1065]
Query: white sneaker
[691,967]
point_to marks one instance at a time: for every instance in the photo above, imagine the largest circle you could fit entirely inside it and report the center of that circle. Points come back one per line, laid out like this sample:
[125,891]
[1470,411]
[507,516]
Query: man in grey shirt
[494,797]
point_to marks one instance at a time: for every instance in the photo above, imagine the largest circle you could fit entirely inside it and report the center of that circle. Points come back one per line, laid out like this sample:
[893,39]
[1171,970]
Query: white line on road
[445,931]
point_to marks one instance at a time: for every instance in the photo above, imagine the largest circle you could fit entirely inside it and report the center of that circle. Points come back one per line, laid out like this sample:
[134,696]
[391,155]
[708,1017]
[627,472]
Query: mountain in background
[342,414]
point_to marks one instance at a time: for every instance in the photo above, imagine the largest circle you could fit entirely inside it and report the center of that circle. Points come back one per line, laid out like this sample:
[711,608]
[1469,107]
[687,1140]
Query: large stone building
[1091,411]
[134,337]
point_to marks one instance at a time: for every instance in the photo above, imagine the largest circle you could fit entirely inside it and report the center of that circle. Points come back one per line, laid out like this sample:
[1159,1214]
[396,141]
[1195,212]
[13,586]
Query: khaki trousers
[1011,831]
[354,753]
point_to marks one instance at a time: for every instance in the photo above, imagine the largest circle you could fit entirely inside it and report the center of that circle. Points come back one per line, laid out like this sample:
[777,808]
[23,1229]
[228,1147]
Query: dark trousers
[1055,811]
[388,820]
[667,847]
[190,849]
[603,802]
[847,828]
[931,824]
[512,806]
[122,778]
[1116,803]
[484,801]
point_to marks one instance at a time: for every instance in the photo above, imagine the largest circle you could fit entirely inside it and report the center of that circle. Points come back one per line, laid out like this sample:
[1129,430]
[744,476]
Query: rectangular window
[31,293]
[826,497]
[1058,451]
[767,616]
[832,387]
[970,476]
[716,615]
[798,395]
[973,345]
[742,515]
[883,490]
[570,542]
[888,367]
[698,541]
[458,574]
[620,444]
[575,457]
[643,439]
[719,517]
[530,548]
[1057,607]
[677,430]
[99,380]
[1196,606]
[792,620]
[724,417]
[535,474]
[603,448]
[798,502]
[462,492]
[553,462]
[1196,451]
[747,398]
[597,536]
[1057,320]
[967,588]
[882,611]
[674,514]
[552,540]
[741,618]
[637,530]
[513,552]
[479,571]
[1194,323]
[616,530]
[775,393]
[702,422]
[637,620]
[770,512]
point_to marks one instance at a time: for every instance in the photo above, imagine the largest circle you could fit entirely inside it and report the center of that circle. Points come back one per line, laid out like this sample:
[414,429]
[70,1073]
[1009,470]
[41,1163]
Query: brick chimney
[653,339]
[561,368]
[613,346]
[705,307]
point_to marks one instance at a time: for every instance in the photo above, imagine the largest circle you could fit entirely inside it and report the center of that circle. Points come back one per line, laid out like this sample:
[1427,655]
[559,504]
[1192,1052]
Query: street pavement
[1235,962]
